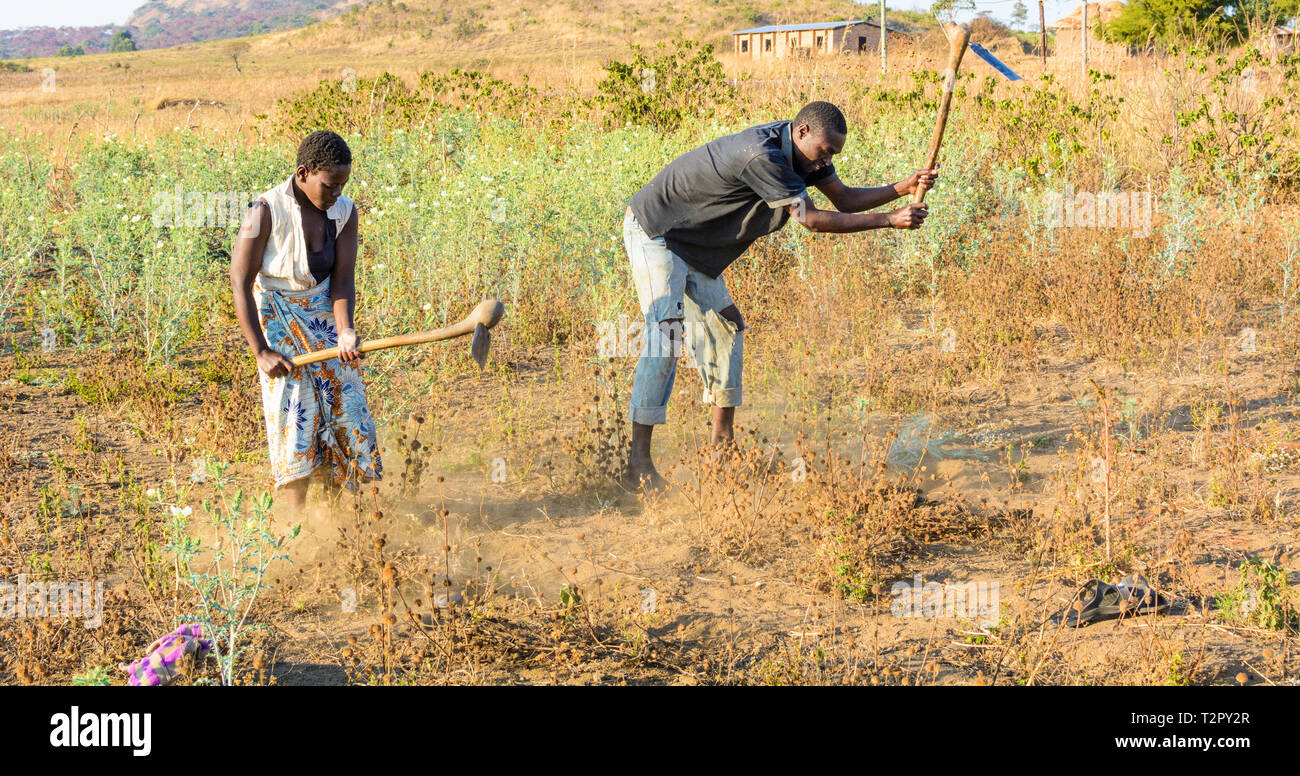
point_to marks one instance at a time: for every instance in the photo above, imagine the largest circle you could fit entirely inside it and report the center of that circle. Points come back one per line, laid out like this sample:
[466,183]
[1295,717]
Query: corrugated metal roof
[798,27]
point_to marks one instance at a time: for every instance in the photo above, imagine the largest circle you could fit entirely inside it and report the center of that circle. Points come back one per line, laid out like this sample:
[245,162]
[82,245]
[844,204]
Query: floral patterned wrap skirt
[317,415]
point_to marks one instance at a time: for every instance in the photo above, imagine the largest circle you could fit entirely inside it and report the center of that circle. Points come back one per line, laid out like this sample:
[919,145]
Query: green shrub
[387,103]
[661,90]
[1262,598]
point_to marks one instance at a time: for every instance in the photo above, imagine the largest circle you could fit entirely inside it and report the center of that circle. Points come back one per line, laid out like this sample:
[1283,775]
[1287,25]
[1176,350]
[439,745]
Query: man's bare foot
[642,475]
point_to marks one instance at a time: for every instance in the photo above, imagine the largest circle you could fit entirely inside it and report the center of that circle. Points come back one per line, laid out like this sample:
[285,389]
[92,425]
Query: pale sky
[88,13]
[65,13]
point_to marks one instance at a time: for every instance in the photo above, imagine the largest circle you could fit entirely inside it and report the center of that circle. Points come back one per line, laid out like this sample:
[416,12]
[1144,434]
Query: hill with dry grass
[165,23]
[560,43]
[544,29]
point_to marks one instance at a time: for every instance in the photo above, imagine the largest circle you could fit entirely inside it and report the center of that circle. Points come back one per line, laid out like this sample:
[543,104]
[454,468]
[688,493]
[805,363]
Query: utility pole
[883,67]
[1084,39]
[1042,31]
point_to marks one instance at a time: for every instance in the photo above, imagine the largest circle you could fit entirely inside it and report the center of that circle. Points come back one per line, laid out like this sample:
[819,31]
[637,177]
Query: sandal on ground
[1103,604]
[1141,598]
[1131,597]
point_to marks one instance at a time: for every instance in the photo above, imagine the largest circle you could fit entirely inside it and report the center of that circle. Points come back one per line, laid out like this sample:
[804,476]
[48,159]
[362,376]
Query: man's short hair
[323,150]
[821,116]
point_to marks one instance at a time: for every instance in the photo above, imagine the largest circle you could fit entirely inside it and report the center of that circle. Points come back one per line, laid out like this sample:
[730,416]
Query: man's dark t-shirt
[711,203]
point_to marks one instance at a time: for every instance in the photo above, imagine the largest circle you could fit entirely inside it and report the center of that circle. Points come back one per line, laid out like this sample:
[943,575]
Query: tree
[70,51]
[235,51]
[985,28]
[1019,15]
[1171,22]
[122,41]
[1262,12]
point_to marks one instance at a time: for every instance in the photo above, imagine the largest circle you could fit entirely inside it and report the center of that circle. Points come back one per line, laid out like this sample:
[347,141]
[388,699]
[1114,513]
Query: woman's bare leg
[330,490]
[296,494]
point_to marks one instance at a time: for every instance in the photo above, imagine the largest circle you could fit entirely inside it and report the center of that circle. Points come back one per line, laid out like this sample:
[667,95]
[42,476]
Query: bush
[662,90]
[1262,598]
[1170,23]
[985,28]
[122,41]
[1229,137]
[387,103]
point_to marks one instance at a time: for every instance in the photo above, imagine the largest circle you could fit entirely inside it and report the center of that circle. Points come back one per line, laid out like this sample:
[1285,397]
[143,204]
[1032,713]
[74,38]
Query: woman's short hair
[322,150]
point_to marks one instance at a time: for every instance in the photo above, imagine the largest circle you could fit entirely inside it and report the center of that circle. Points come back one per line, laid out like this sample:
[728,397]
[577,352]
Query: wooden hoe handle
[958,39]
[488,313]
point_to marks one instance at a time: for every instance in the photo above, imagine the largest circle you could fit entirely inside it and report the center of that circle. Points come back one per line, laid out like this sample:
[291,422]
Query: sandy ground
[643,563]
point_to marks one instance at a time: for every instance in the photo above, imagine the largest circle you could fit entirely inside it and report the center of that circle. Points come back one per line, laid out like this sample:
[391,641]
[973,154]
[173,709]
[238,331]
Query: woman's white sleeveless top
[284,262]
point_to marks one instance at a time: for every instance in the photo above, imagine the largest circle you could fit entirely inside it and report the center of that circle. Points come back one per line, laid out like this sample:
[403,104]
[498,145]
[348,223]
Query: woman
[293,265]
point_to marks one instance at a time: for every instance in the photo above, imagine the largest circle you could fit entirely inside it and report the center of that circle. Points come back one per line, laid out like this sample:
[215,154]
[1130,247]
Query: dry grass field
[1007,397]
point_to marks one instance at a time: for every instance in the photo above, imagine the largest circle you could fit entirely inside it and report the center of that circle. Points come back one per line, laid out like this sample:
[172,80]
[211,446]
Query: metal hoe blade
[994,62]
[478,345]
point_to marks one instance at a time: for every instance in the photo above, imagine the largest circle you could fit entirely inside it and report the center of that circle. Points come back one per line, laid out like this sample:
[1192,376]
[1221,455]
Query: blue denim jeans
[680,304]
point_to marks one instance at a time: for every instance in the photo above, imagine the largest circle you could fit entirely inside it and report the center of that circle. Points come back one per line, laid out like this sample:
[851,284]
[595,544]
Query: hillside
[163,23]
[541,29]
[477,30]
[560,44]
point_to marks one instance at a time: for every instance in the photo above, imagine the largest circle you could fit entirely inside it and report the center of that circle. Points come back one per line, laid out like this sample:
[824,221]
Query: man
[697,216]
